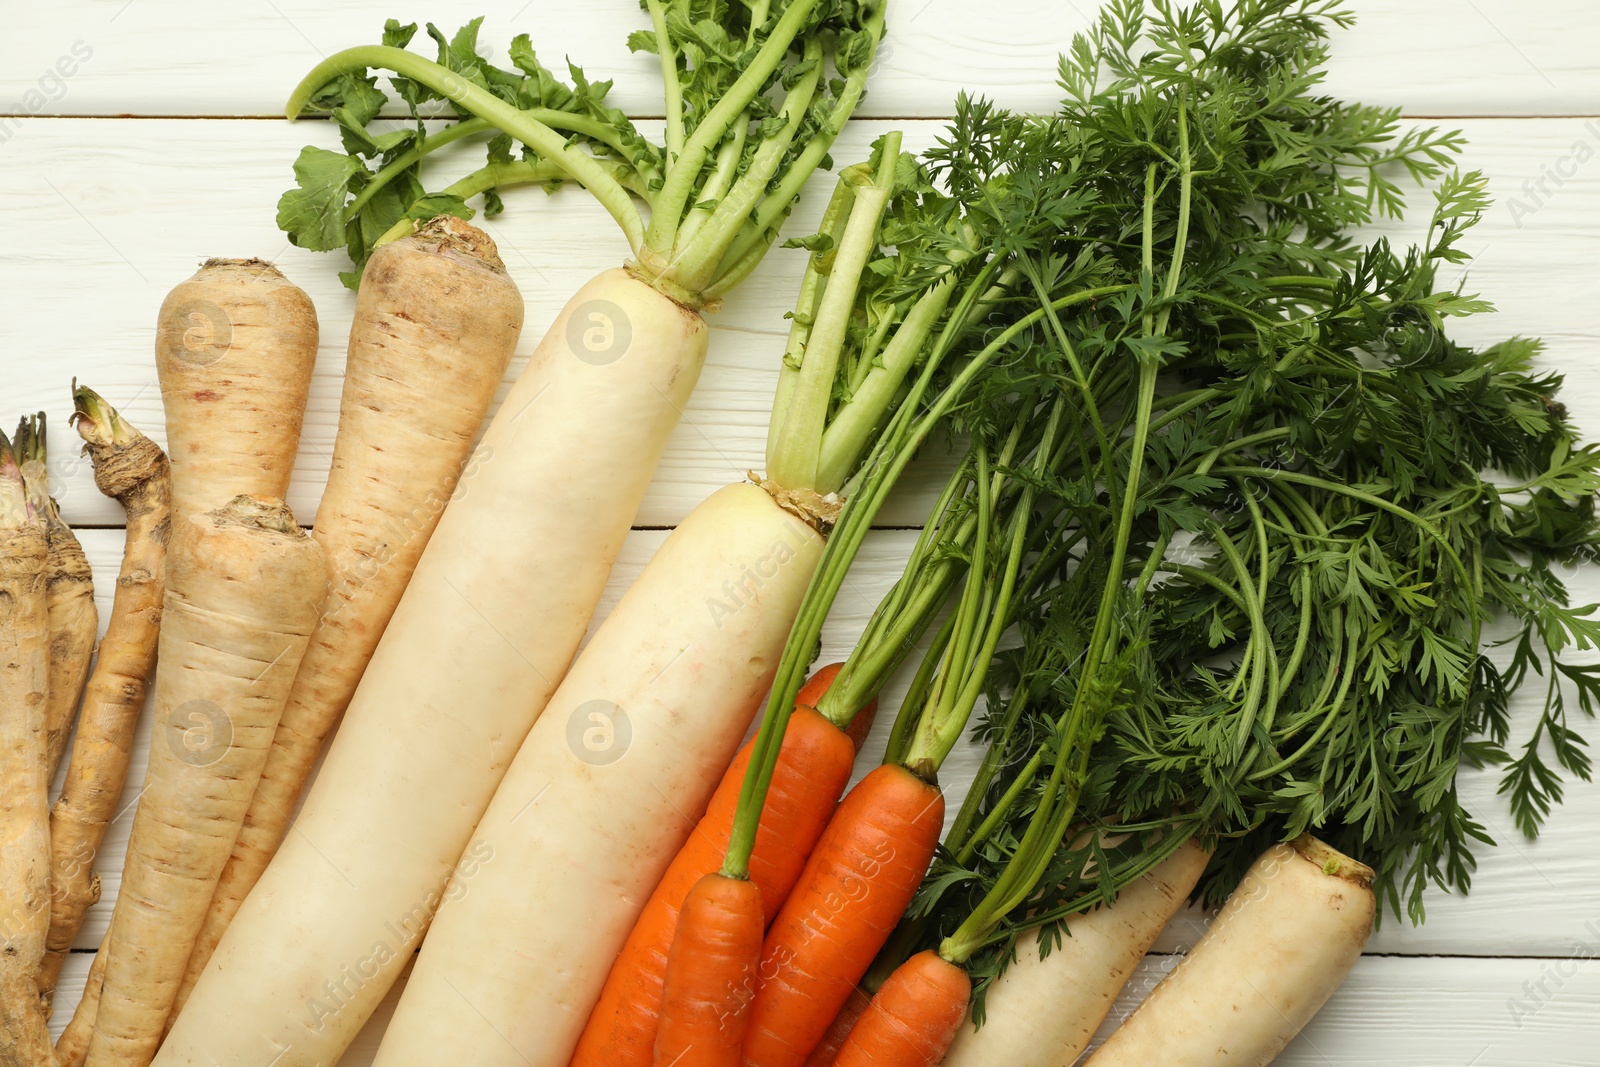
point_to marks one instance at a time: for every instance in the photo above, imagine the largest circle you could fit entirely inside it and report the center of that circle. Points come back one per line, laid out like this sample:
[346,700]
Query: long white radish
[485,631]
[1282,944]
[605,789]
[24,784]
[435,324]
[244,588]
[235,346]
[1042,1012]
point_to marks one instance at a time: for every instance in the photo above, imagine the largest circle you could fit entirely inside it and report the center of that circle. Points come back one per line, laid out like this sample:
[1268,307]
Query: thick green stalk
[668,209]
[793,459]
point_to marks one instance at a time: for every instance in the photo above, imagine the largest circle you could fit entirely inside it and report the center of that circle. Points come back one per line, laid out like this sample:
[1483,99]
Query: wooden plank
[104,216]
[1554,882]
[189,57]
[1418,1012]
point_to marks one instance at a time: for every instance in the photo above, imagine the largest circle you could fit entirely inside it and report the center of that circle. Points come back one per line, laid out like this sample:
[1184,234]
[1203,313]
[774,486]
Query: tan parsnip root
[74,622]
[244,588]
[24,803]
[1042,1012]
[1280,947]
[131,469]
[436,322]
[234,349]
[72,1049]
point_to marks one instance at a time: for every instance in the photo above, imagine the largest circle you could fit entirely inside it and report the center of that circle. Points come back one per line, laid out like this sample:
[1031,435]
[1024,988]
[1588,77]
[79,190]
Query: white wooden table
[148,136]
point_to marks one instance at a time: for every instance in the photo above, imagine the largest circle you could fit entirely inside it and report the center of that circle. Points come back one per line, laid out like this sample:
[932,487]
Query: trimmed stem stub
[1334,864]
[812,508]
[448,234]
[257,512]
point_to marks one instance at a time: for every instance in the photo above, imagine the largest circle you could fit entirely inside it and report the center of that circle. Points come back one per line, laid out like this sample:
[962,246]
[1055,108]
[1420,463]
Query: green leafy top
[755,95]
[1292,542]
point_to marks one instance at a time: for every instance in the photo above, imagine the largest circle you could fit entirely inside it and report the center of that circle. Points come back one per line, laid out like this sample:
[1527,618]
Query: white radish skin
[1280,947]
[1043,1012]
[573,845]
[235,345]
[482,636]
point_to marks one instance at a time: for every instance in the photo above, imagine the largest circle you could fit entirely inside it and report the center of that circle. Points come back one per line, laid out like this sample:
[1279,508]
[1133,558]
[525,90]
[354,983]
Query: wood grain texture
[1391,1012]
[194,57]
[105,214]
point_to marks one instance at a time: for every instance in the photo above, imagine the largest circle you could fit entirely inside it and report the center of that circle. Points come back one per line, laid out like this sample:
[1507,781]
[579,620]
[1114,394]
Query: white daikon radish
[1282,944]
[1043,1012]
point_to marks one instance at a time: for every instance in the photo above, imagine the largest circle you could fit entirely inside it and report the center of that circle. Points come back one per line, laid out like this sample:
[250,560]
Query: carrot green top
[755,94]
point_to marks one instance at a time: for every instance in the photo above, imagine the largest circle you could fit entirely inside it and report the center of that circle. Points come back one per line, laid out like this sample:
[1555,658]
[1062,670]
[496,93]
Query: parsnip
[436,322]
[235,346]
[129,467]
[245,585]
[24,802]
[74,621]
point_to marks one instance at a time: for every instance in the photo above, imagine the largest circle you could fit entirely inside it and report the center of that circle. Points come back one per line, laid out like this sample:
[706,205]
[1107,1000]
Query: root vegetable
[858,883]
[504,591]
[235,346]
[436,321]
[813,769]
[1043,1011]
[605,790]
[494,611]
[245,585]
[74,621]
[72,1048]
[1280,947]
[722,919]
[912,1019]
[130,468]
[24,802]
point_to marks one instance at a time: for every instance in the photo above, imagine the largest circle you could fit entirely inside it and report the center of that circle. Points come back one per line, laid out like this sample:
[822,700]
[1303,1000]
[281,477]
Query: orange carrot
[913,1018]
[827,1052]
[810,696]
[711,974]
[813,769]
[858,883]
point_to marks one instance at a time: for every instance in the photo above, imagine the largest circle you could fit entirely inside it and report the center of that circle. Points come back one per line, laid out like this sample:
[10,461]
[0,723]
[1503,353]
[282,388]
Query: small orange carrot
[913,1018]
[858,883]
[813,769]
[711,975]
[827,1052]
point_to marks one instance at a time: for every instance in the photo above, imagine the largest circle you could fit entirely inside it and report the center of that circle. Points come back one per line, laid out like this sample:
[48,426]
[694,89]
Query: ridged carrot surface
[813,769]
[711,974]
[913,1018]
[858,883]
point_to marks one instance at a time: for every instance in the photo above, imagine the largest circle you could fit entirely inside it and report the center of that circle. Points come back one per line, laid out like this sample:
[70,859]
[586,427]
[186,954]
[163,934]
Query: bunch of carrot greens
[1273,612]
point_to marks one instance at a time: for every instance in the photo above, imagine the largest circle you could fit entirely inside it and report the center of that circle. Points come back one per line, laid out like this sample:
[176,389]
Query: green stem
[493,176]
[858,419]
[793,459]
[580,166]
[673,88]
[683,175]
[700,246]
[409,158]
